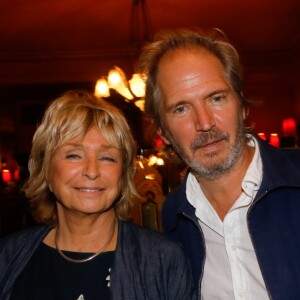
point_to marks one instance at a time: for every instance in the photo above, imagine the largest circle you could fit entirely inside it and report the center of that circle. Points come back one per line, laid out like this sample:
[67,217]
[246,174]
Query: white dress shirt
[231,269]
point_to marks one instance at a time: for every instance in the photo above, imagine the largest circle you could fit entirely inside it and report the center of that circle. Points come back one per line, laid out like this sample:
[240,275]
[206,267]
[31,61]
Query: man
[237,213]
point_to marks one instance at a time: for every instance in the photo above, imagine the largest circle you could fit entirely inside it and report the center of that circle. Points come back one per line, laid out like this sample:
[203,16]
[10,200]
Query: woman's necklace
[90,257]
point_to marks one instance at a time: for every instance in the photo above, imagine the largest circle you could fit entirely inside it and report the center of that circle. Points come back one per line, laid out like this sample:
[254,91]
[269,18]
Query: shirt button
[233,247]
[242,294]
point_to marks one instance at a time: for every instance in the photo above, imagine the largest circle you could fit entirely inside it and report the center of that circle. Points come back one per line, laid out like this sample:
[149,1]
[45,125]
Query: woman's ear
[50,187]
[48,182]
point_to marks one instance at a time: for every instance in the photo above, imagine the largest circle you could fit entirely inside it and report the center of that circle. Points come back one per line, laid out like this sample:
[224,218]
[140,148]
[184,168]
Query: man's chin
[212,168]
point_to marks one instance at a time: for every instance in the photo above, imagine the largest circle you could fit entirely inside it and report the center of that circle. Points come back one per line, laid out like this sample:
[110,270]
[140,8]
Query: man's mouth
[209,139]
[210,143]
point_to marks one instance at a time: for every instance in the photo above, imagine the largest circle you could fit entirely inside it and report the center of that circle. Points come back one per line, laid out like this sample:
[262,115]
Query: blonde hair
[67,117]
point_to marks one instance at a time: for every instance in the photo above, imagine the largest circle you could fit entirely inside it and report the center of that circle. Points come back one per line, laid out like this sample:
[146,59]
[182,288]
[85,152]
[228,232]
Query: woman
[81,167]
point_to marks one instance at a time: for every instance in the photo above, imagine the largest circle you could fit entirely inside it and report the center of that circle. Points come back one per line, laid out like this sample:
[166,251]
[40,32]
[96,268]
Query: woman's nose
[91,169]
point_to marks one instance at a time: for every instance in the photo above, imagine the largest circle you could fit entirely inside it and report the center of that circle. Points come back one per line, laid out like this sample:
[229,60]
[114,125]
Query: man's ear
[163,137]
[245,113]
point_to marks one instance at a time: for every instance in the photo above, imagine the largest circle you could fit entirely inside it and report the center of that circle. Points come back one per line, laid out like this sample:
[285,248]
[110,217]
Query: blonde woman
[82,166]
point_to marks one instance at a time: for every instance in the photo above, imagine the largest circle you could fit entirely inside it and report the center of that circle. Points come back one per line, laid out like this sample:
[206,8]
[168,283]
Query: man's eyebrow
[220,91]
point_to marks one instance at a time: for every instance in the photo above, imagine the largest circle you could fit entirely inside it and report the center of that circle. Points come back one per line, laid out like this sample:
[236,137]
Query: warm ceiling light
[117,80]
[141,32]
[101,88]
[115,77]
[137,85]
[140,104]
[133,90]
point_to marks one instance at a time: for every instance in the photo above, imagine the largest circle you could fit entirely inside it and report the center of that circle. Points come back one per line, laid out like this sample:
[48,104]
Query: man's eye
[179,109]
[217,98]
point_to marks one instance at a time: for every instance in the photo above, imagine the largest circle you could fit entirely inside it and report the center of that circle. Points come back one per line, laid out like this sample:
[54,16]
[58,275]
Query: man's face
[201,113]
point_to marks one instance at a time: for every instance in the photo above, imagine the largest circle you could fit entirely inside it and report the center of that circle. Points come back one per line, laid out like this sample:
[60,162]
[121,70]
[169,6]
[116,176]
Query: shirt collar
[253,176]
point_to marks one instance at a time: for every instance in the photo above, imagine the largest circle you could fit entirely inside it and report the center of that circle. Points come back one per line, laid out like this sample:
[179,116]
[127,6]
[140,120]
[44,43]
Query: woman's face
[85,174]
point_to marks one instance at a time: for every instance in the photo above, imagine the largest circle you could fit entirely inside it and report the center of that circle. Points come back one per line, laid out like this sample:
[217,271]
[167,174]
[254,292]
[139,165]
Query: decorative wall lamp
[6,175]
[289,127]
[289,130]
[274,140]
[262,135]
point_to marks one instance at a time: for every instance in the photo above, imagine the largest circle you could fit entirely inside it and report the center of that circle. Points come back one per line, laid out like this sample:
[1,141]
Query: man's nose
[204,118]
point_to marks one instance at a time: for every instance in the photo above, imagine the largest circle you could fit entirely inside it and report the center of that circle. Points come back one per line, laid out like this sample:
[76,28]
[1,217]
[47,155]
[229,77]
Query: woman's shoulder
[23,237]
[152,256]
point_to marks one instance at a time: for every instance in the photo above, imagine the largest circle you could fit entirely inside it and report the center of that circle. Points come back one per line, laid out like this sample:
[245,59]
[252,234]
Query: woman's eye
[108,158]
[72,156]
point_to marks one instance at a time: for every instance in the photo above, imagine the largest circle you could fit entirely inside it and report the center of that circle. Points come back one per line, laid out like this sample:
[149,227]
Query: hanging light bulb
[117,80]
[137,85]
[141,32]
[101,88]
[134,89]
[114,78]
[140,104]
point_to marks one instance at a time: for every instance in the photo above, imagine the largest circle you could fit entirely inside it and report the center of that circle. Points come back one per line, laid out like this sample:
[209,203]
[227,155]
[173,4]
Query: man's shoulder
[279,155]
[176,198]
[293,153]
[178,192]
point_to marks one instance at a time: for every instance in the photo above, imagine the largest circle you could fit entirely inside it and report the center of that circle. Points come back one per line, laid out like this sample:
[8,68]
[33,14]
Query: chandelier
[131,90]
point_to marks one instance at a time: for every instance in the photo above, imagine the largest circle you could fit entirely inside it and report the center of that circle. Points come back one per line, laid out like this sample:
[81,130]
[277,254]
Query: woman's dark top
[49,276]
[146,265]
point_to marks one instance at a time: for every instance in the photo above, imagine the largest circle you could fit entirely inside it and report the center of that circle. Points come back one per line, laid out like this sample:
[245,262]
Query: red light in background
[262,136]
[16,175]
[6,175]
[289,127]
[159,142]
[274,140]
